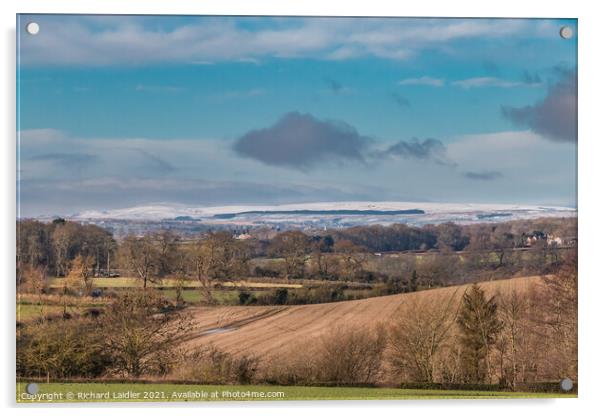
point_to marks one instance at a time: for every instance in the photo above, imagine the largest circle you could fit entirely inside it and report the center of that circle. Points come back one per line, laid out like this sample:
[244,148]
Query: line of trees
[509,338]
[454,237]
[53,246]
[56,248]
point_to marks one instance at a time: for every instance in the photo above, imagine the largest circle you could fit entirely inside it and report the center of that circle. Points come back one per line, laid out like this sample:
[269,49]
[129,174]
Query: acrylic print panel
[287,208]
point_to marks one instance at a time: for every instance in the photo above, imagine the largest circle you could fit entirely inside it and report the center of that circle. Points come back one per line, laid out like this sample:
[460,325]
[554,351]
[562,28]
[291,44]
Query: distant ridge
[324,212]
[335,214]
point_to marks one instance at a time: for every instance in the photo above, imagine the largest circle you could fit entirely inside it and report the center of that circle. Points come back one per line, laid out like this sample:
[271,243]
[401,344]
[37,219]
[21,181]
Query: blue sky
[116,111]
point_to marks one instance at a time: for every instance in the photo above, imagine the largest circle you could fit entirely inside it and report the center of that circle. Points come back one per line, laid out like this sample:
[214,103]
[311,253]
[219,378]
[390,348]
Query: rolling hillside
[264,331]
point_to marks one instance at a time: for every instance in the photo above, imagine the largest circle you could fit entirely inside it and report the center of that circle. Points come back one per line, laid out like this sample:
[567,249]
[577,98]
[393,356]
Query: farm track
[271,330]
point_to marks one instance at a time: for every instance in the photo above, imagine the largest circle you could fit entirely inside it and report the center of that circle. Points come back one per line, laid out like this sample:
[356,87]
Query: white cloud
[253,61]
[130,40]
[520,153]
[40,136]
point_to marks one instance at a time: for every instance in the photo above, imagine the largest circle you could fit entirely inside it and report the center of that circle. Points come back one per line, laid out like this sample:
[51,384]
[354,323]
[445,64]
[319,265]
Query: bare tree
[435,270]
[140,337]
[352,258]
[218,256]
[81,272]
[557,318]
[167,247]
[451,236]
[513,313]
[502,241]
[351,355]
[419,335]
[142,257]
[293,246]
[62,238]
[32,279]
[322,264]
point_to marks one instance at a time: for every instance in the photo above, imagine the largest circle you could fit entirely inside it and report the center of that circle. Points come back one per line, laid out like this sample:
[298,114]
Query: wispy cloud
[531,78]
[490,67]
[158,88]
[336,87]
[234,94]
[488,175]
[247,60]
[65,157]
[136,40]
[424,80]
[159,164]
[400,100]
[493,82]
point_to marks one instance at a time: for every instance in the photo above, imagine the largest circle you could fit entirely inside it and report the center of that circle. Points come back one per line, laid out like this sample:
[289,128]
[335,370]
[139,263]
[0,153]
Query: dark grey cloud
[417,149]
[489,175]
[300,140]
[555,117]
[400,100]
[428,149]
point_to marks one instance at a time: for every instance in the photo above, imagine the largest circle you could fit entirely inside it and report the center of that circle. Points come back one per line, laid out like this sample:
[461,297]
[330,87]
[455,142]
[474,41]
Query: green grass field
[130,392]
[26,312]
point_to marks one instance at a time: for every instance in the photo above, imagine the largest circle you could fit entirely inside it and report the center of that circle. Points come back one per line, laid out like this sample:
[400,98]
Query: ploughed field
[265,331]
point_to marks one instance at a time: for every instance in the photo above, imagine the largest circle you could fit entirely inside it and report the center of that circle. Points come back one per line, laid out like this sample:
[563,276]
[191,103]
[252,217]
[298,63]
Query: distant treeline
[53,246]
[331,254]
[450,236]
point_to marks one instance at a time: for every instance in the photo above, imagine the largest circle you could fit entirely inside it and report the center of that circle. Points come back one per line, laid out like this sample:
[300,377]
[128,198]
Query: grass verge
[139,392]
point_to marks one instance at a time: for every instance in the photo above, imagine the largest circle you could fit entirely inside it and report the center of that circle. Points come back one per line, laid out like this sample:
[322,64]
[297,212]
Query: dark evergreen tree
[479,327]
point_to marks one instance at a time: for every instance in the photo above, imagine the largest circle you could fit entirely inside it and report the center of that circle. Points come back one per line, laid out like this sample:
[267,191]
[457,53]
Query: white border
[590,33]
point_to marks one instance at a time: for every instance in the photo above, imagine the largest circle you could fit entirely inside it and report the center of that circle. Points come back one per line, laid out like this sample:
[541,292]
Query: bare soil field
[265,331]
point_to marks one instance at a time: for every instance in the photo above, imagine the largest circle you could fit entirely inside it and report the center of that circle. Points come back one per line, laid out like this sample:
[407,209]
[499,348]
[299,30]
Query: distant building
[549,239]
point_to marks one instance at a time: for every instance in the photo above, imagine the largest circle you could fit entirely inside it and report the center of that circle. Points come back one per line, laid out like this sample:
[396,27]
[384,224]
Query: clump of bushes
[60,349]
[259,271]
[212,366]
[246,298]
[305,296]
[136,336]
[346,356]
